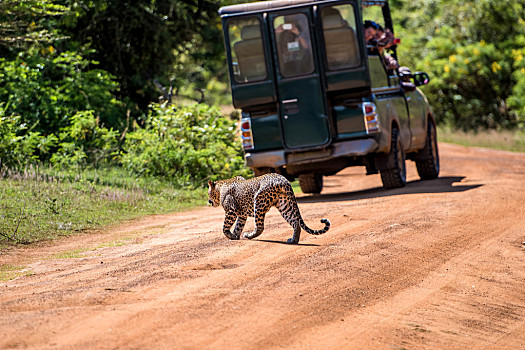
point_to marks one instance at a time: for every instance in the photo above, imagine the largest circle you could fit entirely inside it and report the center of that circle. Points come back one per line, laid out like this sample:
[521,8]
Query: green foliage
[46,88]
[185,145]
[26,22]
[84,142]
[140,41]
[473,52]
[19,147]
[200,70]
[517,100]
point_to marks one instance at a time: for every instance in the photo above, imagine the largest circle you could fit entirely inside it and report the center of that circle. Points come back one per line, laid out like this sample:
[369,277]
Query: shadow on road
[439,185]
[285,243]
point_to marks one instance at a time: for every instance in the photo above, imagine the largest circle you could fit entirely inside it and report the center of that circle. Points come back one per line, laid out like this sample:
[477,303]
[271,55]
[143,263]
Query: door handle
[290,107]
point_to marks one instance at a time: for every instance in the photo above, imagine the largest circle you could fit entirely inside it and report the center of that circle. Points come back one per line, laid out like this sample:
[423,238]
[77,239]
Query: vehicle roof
[277,4]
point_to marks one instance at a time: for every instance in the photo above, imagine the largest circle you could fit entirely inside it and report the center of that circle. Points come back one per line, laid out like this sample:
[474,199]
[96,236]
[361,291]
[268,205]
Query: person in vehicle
[371,29]
[293,26]
[377,36]
[293,41]
[385,40]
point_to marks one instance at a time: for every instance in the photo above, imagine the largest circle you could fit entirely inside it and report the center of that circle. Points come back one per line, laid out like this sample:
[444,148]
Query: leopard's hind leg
[239,226]
[263,201]
[287,208]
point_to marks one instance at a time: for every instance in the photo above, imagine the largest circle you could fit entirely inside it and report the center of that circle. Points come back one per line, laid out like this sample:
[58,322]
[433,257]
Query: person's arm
[300,37]
[390,61]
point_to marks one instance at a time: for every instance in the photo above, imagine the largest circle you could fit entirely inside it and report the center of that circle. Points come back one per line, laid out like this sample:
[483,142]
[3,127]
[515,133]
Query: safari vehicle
[315,98]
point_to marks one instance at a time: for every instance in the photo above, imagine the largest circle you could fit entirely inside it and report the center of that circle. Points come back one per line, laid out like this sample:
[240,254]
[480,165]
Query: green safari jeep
[316,97]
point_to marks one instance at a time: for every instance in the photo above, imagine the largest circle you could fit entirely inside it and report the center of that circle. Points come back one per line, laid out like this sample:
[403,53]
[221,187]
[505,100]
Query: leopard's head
[214,195]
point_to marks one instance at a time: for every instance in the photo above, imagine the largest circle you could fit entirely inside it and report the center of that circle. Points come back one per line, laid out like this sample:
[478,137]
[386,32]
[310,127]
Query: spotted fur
[241,198]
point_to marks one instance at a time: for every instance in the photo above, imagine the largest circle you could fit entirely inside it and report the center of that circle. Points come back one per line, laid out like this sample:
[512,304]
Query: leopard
[241,198]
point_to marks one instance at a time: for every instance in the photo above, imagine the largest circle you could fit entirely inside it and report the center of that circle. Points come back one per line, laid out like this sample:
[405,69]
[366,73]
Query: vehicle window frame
[234,61]
[356,34]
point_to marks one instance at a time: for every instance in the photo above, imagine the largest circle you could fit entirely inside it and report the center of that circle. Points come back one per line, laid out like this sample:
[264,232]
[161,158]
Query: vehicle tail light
[369,108]
[246,133]
[371,118]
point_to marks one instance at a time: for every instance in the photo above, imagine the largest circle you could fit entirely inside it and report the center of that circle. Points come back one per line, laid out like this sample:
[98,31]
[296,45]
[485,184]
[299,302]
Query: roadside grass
[70,254]
[43,204]
[130,238]
[9,272]
[513,141]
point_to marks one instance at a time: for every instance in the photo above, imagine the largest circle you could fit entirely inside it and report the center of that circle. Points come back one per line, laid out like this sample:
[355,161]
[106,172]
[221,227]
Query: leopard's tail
[326,223]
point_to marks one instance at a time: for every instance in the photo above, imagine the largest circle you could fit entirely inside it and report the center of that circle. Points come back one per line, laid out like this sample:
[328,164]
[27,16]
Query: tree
[26,22]
[139,41]
[474,53]
[41,84]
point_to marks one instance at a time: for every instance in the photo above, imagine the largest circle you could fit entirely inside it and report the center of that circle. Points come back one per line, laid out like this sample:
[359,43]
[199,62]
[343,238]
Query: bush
[46,89]
[18,146]
[185,145]
[85,142]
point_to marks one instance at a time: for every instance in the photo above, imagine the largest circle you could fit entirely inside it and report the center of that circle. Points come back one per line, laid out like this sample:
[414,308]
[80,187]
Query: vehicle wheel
[427,161]
[311,183]
[397,175]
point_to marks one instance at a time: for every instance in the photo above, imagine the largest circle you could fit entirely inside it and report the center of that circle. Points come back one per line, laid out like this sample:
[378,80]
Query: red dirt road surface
[436,265]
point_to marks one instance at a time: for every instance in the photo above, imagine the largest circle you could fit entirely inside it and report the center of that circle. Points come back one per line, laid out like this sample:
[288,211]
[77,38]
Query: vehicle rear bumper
[279,158]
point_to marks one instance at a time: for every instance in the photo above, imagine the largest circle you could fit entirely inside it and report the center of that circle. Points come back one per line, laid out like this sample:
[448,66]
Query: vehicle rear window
[294,45]
[339,30]
[246,47]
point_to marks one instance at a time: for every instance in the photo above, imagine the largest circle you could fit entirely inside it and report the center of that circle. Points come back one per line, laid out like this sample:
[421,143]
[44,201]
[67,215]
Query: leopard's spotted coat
[241,198]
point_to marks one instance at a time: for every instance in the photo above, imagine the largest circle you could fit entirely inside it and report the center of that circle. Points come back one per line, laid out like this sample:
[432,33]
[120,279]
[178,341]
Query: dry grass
[37,205]
[513,141]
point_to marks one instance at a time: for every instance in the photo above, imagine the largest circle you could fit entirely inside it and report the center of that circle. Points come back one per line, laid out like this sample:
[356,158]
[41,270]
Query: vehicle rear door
[300,93]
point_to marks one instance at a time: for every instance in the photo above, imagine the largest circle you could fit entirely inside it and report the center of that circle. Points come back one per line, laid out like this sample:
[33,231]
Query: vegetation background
[111,108]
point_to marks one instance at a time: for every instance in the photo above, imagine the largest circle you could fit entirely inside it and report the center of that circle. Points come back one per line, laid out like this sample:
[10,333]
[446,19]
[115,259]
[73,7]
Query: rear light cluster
[246,133]
[371,121]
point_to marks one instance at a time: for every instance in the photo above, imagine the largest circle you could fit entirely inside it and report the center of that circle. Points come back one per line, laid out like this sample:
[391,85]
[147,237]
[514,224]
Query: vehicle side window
[294,46]
[339,30]
[246,47]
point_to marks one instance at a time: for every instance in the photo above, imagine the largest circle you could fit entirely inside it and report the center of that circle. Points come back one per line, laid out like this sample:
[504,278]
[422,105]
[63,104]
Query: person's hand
[388,39]
[392,64]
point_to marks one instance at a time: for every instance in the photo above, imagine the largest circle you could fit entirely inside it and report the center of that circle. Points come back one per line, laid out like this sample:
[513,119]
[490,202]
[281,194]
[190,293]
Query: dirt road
[436,265]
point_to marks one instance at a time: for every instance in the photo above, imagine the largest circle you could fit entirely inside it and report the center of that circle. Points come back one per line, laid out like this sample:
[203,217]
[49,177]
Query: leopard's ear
[211,184]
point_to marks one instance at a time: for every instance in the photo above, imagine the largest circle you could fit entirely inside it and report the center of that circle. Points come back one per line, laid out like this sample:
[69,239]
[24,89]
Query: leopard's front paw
[292,241]
[231,236]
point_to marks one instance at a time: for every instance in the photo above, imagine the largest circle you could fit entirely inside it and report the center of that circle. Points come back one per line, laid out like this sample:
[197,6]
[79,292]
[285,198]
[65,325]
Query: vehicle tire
[396,176]
[311,183]
[427,160]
